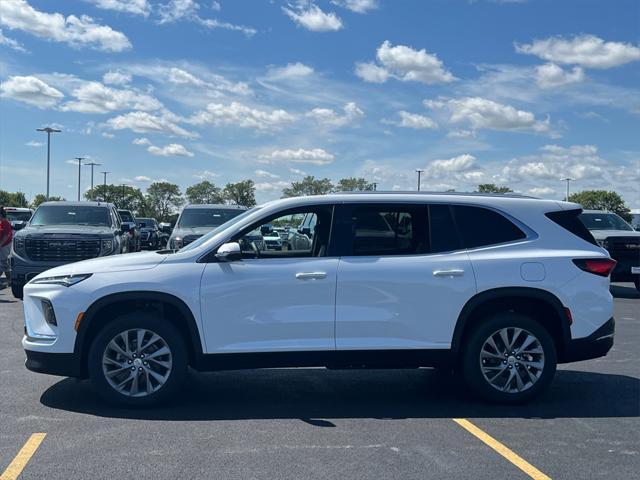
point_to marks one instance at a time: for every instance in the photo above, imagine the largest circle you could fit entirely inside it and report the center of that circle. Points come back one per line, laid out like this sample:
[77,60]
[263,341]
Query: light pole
[419,171]
[104,193]
[123,185]
[92,164]
[49,131]
[79,159]
[566,198]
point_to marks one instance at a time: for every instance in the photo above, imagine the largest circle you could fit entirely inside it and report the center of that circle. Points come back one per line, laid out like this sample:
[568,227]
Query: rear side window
[480,227]
[570,220]
[389,230]
[443,235]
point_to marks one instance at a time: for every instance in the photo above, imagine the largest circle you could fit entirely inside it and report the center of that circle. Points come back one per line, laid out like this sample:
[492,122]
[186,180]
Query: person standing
[6,235]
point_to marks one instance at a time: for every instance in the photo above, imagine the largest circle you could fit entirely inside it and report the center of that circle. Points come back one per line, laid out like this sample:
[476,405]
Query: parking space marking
[15,468]
[507,453]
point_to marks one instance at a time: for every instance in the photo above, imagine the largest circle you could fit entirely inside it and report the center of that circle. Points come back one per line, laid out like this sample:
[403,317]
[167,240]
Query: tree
[602,200]
[9,199]
[353,184]
[309,185]
[204,192]
[40,198]
[124,196]
[492,188]
[162,199]
[240,193]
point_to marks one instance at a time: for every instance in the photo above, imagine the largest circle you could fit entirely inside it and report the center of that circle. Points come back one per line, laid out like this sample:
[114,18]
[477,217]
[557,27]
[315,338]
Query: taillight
[597,266]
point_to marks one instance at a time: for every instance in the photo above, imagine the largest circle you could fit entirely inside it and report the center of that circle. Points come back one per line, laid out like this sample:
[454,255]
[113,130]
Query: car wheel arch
[520,299]
[94,319]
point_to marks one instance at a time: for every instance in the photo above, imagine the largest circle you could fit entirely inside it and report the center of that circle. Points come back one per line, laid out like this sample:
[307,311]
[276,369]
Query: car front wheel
[137,360]
[509,358]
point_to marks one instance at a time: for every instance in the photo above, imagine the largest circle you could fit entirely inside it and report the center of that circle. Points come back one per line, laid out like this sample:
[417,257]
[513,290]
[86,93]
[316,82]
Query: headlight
[106,247]
[64,280]
[18,245]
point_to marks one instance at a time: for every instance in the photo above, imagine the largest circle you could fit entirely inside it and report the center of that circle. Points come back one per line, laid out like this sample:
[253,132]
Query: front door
[277,298]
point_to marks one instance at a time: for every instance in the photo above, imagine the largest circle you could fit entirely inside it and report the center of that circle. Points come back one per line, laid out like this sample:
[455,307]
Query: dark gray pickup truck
[64,232]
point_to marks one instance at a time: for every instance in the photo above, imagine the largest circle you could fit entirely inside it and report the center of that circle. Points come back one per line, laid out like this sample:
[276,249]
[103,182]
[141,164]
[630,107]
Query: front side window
[389,230]
[295,233]
[480,226]
[71,215]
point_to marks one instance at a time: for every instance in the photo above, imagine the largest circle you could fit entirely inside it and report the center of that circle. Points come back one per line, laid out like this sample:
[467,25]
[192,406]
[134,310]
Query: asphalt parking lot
[314,423]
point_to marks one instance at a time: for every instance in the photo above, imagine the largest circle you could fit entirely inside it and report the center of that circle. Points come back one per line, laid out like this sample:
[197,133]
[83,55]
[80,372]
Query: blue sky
[519,93]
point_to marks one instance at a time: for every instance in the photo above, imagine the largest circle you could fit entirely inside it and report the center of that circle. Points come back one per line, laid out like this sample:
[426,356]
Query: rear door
[403,277]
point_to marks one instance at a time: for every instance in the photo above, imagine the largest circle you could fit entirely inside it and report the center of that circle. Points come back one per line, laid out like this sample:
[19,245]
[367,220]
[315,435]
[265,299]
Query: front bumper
[595,345]
[62,364]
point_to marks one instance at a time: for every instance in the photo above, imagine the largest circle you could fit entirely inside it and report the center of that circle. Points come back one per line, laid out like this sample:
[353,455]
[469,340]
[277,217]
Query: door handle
[448,273]
[311,275]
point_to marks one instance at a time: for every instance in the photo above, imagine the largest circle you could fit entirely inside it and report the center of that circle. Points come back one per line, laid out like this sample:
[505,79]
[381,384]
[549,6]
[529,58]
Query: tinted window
[442,229]
[206,217]
[481,226]
[570,220]
[71,215]
[125,216]
[604,221]
[146,223]
[389,230]
[18,216]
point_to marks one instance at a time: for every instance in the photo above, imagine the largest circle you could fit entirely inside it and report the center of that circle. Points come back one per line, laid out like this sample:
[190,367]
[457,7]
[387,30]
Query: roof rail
[413,192]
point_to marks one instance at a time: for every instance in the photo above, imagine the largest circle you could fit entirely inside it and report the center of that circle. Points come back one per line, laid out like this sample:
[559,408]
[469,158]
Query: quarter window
[481,226]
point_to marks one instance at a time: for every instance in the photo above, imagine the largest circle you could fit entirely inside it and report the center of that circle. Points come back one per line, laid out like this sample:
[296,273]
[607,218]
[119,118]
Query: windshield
[18,216]
[604,221]
[146,223]
[71,215]
[206,217]
[221,228]
[125,216]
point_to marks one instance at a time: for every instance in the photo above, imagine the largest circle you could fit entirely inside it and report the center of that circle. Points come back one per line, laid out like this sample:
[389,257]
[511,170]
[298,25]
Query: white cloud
[587,51]
[313,18]
[141,141]
[187,10]
[264,174]
[358,6]
[171,150]
[481,113]
[329,118]
[216,84]
[34,144]
[180,77]
[144,122]
[136,7]
[94,97]
[456,164]
[11,43]
[461,134]
[73,30]
[207,175]
[30,90]
[107,135]
[116,78]
[297,171]
[415,121]
[551,75]
[372,73]
[270,186]
[142,178]
[542,191]
[291,71]
[406,64]
[316,156]
[237,114]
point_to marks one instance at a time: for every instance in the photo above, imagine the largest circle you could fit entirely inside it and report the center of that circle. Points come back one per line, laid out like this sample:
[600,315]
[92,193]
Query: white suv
[497,288]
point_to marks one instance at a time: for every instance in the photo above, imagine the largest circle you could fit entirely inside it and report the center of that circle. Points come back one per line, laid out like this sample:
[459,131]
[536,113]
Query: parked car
[19,217]
[500,288]
[133,240]
[150,235]
[196,220]
[165,233]
[621,241]
[270,238]
[61,233]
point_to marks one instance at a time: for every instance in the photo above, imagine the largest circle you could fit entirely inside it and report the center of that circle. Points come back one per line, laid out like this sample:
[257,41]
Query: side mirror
[229,252]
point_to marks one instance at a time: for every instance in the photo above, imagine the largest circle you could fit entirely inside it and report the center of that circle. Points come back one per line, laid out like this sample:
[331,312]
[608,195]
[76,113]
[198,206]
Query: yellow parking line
[15,468]
[513,457]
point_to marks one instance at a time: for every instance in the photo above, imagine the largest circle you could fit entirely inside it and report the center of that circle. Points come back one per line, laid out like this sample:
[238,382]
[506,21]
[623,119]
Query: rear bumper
[62,364]
[595,345]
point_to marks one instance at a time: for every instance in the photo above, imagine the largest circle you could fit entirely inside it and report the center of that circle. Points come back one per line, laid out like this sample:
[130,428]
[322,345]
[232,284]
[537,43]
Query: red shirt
[6,232]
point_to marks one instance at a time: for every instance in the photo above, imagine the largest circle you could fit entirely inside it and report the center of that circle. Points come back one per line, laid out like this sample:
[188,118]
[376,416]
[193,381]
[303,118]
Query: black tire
[637,282]
[138,320]
[17,289]
[471,359]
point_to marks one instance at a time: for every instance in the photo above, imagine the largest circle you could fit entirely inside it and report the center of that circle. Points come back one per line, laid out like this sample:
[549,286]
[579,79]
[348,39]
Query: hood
[113,263]
[603,234]
[66,230]
[182,232]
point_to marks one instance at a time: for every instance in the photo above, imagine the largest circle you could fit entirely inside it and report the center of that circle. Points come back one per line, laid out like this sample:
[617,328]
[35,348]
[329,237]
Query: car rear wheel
[509,358]
[137,360]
